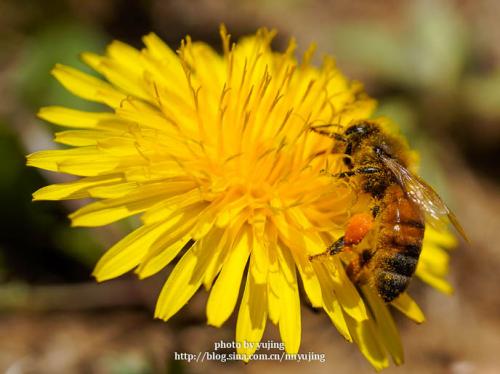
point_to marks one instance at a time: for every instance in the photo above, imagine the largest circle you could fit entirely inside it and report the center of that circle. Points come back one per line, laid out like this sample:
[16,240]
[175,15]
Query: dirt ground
[55,319]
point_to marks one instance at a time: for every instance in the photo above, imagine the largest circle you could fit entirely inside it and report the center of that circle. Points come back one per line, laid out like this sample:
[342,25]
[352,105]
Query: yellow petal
[230,211]
[175,203]
[227,241]
[159,49]
[273,299]
[212,72]
[274,274]
[126,55]
[252,317]
[346,293]
[76,189]
[182,283]
[176,237]
[133,198]
[118,74]
[441,238]
[330,302]
[168,59]
[406,305]
[435,281]
[79,138]
[224,294]
[205,222]
[112,191]
[152,264]
[127,253]
[386,327]
[302,245]
[434,258]
[83,161]
[259,252]
[110,210]
[74,118]
[309,279]
[365,335]
[289,318]
[147,115]
[88,87]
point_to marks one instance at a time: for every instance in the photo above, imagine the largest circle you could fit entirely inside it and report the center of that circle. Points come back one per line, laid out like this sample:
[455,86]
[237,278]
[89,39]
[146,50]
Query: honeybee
[402,204]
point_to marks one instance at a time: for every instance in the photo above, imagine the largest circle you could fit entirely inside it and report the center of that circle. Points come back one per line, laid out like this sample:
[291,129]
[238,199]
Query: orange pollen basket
[357,228]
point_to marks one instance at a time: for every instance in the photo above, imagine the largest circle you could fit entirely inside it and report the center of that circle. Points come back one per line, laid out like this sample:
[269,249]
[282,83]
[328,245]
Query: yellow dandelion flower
[215,154]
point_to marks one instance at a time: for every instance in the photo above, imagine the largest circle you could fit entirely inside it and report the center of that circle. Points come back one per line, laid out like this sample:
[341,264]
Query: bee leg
[368,170]
[350,173]
[336,247]
[317,154]
[375,211]
[353,269]
[356,270]
[333,249]
[344,174]
[330,134]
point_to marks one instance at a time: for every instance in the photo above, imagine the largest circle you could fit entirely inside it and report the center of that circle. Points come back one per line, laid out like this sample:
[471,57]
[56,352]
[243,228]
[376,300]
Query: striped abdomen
[393,261]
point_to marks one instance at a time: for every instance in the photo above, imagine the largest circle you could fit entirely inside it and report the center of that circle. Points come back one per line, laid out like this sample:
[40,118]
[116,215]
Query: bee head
[361,129]
[354,134]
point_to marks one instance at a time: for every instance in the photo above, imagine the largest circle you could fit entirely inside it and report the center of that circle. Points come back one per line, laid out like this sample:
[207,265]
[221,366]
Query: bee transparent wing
[424,196]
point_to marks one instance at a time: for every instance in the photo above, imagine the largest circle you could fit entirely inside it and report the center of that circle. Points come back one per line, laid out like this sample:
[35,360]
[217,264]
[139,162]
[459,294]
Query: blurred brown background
[434,66]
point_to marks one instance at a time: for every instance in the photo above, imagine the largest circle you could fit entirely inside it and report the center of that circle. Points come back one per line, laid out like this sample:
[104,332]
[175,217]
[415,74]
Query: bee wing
[423,195]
